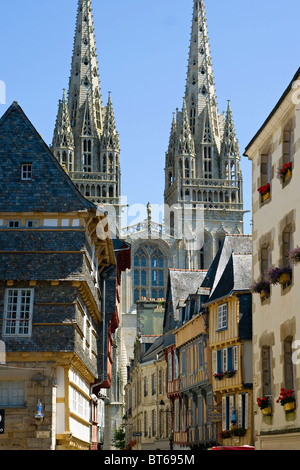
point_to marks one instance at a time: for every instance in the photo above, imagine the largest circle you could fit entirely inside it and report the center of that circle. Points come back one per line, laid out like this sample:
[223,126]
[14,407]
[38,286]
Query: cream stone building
[148,410]
[276,232]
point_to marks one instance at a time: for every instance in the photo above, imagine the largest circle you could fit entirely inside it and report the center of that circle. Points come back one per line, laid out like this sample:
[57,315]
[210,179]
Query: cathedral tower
[85,138]
[203,180]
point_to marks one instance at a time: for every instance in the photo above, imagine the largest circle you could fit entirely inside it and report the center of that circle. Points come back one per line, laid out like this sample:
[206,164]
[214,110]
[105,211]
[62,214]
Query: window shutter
[231,406]
[214,362]
[246,410]
[224,360]
[223,413]
[235,351]
[240,410]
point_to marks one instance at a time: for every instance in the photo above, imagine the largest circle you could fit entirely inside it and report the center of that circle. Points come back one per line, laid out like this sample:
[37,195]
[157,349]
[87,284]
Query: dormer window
[26,172]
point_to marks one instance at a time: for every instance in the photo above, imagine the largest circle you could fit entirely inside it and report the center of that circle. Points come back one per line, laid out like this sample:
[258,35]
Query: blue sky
[142,52]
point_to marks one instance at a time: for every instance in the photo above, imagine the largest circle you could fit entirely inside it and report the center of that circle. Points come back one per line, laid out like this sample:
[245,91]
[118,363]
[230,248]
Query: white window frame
[32,223]
[222,316]
[26,172]
[13,312]
[12,393]
[13,224]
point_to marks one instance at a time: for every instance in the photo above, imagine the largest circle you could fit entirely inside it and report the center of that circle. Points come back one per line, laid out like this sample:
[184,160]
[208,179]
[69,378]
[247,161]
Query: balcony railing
[92,176]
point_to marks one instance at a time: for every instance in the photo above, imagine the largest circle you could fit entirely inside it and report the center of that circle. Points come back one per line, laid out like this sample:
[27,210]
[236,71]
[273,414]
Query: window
[149,273]
[243,410]
[183,362]
[18,308]
[12,393]
[32,223]
[145,386]
[153,423]
[265,262]
[288,141]
[170,367]
[26,171]
[176,415]
[222,317]
[287,245]
[13,224]
[266,371]
[153,384]
[226,359]
[200,355]
[176,366]
[288,364]
[145,423]
[228,405]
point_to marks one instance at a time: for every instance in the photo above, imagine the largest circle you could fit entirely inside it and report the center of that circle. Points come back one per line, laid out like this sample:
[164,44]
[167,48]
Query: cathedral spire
[110,137]
[230,153]
[84,82]
[95,168]
[200,88]
[63,139]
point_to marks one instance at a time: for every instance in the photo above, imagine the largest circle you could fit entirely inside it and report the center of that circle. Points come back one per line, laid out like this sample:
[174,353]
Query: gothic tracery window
[149,267]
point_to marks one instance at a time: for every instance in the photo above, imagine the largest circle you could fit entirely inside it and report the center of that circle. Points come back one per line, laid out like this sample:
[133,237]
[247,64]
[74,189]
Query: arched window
[149,273]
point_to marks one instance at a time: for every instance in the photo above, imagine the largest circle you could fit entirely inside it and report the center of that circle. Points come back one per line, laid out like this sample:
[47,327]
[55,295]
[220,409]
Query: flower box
[229,373]
[264,405]
[265,191]
[219,376]
[285,172]
[289,406]
[262,288]
[284,278]
[267,411]
[225,434]
[274,275]
[286,399]
[264,294]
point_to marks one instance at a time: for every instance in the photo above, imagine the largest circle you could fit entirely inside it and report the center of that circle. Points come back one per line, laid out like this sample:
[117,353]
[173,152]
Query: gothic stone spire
[63,139]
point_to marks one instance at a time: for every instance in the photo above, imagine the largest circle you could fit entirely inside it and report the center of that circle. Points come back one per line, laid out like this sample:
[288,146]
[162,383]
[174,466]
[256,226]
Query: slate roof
[231,244]
[51,189]
[236,277]
[181,283]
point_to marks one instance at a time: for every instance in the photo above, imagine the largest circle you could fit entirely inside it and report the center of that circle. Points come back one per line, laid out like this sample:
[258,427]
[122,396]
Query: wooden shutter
[214,362]
[223,413]
[235,359]
[240,410]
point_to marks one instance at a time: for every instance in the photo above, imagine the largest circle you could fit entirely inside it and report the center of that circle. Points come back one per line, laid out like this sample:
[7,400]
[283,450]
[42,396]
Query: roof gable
[50,189]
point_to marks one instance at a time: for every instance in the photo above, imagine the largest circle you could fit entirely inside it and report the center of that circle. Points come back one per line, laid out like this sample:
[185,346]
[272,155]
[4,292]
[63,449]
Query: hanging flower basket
[285,172]
[265,191]
[277,275]
[295,255]
[287,399]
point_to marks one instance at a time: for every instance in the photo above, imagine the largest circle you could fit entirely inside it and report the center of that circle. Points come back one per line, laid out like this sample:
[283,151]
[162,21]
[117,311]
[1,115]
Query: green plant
[286,396]
[118,440]
[239,432]
[225,434]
